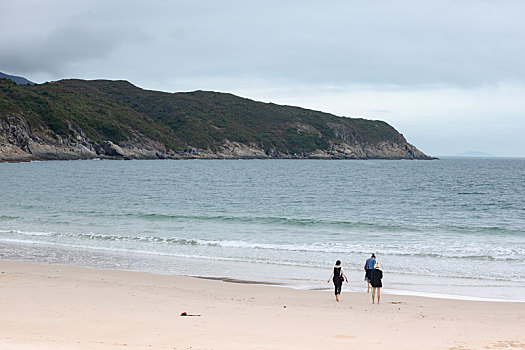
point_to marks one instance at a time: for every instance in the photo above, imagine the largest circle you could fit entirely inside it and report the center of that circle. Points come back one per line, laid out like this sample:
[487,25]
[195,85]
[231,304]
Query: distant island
[79,119]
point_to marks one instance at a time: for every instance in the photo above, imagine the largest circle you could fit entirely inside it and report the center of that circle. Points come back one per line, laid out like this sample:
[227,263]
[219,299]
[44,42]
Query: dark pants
[338,286]
[368,275]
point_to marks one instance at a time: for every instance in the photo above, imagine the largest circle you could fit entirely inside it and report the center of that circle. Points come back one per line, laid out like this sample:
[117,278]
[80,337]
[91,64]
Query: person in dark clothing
[376,283]
[369,267]
[337,277]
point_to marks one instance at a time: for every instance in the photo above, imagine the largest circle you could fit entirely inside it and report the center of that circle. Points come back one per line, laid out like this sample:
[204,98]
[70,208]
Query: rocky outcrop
[19,143]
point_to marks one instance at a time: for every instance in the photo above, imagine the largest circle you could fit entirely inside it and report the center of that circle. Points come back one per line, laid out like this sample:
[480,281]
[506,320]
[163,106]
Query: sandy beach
[64,307]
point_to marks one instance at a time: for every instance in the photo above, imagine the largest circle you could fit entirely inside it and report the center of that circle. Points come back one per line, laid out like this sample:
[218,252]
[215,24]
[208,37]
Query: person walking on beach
[338,278]
[375,281]
[369,267]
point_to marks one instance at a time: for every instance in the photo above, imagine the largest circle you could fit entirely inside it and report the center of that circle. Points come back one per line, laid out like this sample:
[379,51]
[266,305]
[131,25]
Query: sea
[448,228]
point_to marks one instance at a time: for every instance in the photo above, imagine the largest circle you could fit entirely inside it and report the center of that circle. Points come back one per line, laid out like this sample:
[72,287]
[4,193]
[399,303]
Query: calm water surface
[452,227]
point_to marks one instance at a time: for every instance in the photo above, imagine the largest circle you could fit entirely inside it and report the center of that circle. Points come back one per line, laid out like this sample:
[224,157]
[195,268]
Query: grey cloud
[52,46]
[409,43]
[356,42]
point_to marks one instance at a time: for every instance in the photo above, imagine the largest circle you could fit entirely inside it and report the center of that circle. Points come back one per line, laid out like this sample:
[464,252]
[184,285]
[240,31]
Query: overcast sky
[449,75]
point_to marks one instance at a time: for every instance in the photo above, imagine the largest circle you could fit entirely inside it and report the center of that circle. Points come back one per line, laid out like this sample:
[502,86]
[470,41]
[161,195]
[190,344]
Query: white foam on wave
[137,251]
[463,252]
[260,262]
[27,233]
[460,251]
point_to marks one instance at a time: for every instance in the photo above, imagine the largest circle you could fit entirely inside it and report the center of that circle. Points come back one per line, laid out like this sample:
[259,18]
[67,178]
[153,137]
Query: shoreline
[226,279]
[65,307]
[31,160]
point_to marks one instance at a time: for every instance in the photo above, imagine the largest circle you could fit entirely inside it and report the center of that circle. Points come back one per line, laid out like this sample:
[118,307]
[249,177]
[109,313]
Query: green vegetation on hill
[119,111]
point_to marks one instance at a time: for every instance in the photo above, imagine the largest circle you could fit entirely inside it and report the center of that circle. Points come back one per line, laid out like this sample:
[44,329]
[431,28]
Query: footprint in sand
[343,336]
[506,344]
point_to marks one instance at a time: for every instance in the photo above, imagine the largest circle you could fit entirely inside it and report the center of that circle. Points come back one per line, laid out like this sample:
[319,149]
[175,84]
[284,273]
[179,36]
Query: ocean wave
[8,217]
[455,256]
[267,220]
[147,239]
[28,233]
[357,226]
[465,276]
[154,252]
[484,229]
[459,252]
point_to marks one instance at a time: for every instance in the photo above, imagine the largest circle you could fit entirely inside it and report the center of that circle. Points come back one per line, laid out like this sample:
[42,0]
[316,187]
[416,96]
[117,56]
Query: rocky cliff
[75,119]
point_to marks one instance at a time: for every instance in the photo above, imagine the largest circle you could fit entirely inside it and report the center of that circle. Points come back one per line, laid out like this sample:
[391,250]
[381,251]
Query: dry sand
[63,307]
